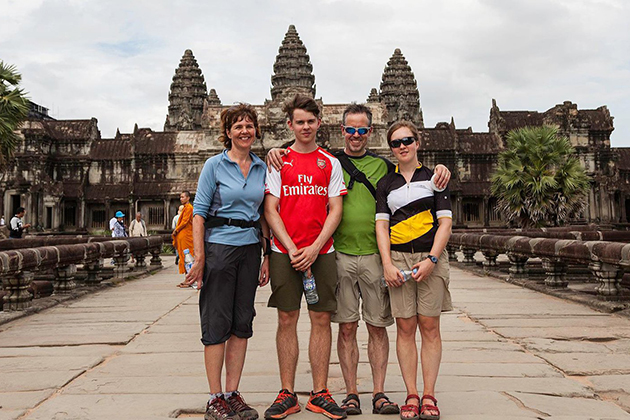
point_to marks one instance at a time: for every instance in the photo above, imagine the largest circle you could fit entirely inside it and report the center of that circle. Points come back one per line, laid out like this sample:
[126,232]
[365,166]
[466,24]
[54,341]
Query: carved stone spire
[213,98]
[373,96]
[293,71]
[188,91]
[399,91]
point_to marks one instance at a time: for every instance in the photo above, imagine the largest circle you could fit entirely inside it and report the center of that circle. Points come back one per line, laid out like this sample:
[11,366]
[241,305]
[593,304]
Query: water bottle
[188,260]
[405,273]
[433,187]
[310,289]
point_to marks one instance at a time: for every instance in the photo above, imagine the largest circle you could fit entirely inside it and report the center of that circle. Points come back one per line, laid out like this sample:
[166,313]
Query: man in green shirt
[359,264]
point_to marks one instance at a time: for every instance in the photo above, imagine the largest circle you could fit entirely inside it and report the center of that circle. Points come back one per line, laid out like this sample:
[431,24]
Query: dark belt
[215,221]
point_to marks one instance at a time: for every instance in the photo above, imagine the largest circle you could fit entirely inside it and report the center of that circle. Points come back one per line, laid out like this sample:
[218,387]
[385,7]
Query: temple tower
[186,96]
[399,91]
[293,71]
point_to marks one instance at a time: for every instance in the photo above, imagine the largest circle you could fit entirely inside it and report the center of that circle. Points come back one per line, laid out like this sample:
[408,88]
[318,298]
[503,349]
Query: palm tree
[539,180]
[13,110]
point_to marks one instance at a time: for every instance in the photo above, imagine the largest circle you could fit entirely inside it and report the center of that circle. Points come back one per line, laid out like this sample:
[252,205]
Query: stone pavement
[133,352]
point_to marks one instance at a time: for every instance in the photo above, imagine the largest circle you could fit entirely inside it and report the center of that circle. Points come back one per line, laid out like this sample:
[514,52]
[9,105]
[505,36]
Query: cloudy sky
[114,59]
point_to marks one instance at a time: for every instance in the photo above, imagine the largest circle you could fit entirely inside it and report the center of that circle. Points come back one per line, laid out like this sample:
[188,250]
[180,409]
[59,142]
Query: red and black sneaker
[218,409]
[286,403]
[240,407]
[322,402]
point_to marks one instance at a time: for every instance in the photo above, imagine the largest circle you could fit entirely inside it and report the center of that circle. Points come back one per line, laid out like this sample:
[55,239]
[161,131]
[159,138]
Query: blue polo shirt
[223,191]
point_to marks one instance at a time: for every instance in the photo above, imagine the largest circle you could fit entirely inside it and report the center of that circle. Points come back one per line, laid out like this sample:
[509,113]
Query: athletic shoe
[240,407]
[219,409]
[286,403]
[322,402]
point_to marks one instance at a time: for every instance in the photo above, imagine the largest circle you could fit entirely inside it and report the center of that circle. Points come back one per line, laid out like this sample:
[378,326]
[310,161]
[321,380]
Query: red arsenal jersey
[303,186]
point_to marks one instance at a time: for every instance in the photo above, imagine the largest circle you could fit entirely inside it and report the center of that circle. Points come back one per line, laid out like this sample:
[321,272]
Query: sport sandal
[352,405]
[385,407]
[429,407]
[410,409]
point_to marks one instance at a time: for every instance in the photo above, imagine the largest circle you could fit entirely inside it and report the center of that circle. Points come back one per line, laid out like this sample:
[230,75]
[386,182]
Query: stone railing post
[18,298]
[490,261]
[140,259]
[452,249]
[469,255]
[64,278]
[93,270]
[609,276]
[156,261]
[556,271]
[120,262]
[518,266]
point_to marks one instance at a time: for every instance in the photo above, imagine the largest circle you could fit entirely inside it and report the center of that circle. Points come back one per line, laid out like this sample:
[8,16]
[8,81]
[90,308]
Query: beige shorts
[429,297]
[360,279]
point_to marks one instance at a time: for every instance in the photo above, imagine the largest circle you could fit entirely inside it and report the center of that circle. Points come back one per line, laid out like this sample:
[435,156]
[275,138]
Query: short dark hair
[234,114]
[303,102]
[355,108]
[20,210]
[400,124]
[187,193]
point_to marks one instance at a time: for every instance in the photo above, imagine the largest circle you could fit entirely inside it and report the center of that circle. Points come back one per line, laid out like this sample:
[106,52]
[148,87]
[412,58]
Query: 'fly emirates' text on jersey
[303,186]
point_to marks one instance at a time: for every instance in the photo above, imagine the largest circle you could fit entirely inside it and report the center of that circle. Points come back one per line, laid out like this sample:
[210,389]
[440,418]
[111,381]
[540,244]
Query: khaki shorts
[429,297]
[360,279]
[287,286]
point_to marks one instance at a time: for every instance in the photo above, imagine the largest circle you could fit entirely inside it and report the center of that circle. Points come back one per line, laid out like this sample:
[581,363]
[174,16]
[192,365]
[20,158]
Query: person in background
[173,226]
[17,225]
[119,229]
[137,228]
[183,233]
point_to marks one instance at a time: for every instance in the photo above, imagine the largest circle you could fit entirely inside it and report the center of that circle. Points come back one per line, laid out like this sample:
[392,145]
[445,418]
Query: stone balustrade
[18,265]
[606,260]
[582,233]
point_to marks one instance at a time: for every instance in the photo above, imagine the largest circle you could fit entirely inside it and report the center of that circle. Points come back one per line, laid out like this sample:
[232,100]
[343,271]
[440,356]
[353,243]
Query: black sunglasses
[351,130]
[395,144]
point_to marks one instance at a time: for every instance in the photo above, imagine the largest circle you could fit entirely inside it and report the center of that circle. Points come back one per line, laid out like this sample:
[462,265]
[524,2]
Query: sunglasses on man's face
[351,130]
[395,144]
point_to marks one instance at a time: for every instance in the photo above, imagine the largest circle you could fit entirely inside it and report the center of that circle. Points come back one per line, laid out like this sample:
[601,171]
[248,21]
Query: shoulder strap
[354,173]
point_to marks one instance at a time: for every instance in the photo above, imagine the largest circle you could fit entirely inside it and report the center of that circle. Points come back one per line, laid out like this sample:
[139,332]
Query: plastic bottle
[188,260]
[433,187]
[310,289]
[405,273]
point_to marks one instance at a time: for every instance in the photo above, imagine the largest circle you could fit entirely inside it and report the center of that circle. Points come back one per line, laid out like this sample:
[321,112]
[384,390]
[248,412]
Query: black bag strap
[214,221]
[355,174]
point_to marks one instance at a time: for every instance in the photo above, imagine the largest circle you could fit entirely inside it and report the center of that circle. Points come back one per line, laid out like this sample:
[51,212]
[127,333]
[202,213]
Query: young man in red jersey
[303,207]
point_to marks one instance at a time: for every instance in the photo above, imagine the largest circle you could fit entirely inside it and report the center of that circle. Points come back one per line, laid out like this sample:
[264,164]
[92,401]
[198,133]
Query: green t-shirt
[355,234]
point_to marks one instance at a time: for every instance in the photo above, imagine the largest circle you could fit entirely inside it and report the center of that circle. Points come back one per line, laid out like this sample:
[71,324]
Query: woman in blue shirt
[227,222]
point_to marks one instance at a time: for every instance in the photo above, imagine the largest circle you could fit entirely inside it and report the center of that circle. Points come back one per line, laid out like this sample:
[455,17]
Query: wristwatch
[433,259]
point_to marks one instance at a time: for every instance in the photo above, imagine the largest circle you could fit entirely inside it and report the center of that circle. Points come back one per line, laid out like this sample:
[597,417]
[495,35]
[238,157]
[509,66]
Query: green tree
[13,110]
[539,180]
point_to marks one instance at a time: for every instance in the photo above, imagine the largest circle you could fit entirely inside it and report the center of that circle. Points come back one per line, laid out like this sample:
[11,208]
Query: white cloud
[114,59]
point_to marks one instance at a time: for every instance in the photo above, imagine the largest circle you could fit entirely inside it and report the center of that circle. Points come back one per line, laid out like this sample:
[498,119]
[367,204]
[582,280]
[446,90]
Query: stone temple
[70,179]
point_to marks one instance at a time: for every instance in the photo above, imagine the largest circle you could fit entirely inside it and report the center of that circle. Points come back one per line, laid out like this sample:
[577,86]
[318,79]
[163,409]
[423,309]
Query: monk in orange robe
[182,235]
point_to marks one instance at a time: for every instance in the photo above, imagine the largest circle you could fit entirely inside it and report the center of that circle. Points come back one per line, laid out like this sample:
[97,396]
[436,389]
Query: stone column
[18,298]
[140,259]
[556,271]
[609,276]
[156,261]
[64,279]
[93,270]
[452,249]
[491,258]
[469,255]
[121,267]
[518,266]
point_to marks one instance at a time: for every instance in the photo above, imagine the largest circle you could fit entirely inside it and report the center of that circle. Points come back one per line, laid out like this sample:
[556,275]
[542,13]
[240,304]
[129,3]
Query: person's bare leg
[407,353]
[319,348]
[430,354]
[288,348]
[378,355]
[213,357]
[348,352]
[235,351]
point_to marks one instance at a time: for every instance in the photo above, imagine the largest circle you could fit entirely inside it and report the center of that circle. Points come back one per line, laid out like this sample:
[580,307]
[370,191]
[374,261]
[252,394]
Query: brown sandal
[183,285]
[410,408]
[385,407]
[429,407]
[352,405]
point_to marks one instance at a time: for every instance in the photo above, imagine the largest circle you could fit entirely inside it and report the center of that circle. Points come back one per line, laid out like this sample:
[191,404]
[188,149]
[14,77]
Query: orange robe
[184,235]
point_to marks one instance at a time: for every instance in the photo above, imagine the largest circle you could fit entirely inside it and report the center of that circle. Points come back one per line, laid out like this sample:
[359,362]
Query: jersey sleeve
[337,186]
[382,209]
[273,183]
[442,202]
